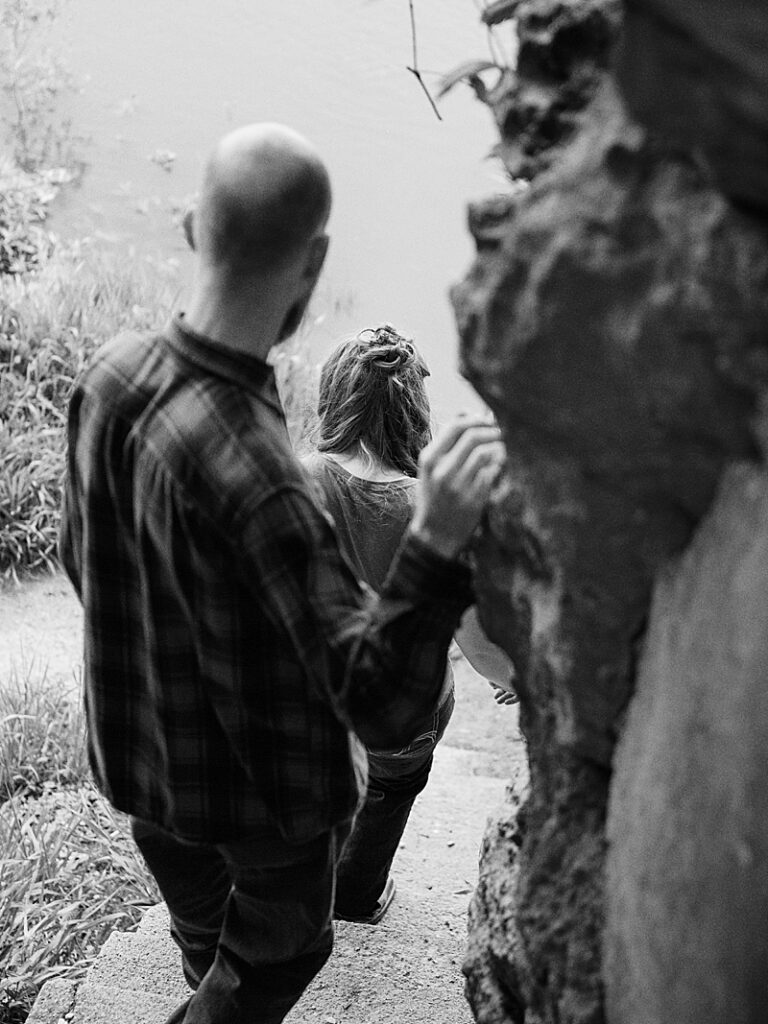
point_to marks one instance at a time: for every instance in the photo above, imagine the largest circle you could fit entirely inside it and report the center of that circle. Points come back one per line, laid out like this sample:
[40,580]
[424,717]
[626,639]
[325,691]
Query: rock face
[564,50]
[687,874]
[697,71]
[614,319]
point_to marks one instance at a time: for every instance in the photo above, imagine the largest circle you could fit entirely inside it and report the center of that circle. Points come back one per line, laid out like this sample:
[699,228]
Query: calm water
[170,76]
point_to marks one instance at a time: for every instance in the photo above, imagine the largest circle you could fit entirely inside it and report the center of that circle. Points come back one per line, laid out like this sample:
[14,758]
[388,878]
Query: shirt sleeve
[379,660]
[70,528]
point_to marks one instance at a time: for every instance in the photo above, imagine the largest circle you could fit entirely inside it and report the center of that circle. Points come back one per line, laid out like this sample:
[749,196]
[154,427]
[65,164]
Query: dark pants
[253,919]
[395,778]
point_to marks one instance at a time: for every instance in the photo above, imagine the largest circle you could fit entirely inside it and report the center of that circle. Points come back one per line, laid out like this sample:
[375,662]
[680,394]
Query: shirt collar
[249,372]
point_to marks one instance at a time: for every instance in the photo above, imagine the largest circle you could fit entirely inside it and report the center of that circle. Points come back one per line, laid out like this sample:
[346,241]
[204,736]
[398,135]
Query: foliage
[500,10]
[42,738]
[297,380]
[34,81]
[69,875]
[25,243]
[69,872]
[474,72]
[538,91]
[50,323]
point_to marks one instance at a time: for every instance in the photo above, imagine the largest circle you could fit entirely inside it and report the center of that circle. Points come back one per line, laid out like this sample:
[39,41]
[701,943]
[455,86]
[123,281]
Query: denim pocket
[419,749]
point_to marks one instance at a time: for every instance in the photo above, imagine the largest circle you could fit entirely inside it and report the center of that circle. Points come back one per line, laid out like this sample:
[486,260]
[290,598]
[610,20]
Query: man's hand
[456,474]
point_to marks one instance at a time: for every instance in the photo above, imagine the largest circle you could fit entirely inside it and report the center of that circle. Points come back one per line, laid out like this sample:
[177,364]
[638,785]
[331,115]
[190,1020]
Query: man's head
[262,212]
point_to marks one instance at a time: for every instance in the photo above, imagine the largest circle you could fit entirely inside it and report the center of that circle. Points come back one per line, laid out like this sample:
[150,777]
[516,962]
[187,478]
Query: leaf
[501,10]
[469,69]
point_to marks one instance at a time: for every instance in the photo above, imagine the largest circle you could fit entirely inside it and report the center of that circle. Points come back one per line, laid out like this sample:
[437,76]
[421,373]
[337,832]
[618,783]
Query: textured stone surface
[697,72]
[55,999]
[619,335]
[564,48]
[614,319]
[148,961]
[687,873]
[492,981]
[104,1004]
[406,968]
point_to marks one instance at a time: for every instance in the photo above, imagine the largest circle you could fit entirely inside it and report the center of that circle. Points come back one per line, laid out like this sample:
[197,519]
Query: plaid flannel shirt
[230,653]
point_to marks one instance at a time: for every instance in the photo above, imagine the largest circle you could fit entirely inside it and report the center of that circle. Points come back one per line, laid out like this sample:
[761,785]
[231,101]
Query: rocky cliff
[615,320]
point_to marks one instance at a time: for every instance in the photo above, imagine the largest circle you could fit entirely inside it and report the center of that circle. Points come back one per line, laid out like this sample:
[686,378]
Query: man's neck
[250,322]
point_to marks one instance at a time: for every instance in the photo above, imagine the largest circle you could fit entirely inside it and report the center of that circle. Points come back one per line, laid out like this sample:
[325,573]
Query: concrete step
[408,967]
[143,961]
[97,1004]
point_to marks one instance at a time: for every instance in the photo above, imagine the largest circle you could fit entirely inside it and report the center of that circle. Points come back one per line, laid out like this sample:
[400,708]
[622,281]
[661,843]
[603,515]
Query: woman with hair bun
[373,422]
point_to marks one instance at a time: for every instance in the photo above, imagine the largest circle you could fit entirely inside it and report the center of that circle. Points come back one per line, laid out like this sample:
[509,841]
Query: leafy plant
[50,323]
[69,875]
[25,243]
[69,872]
[538,92]
[42,737]
[297,378]
[474,72]
[34,81]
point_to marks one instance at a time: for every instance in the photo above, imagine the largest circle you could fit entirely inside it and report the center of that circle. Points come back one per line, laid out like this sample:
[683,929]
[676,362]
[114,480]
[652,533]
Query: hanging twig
[415,68]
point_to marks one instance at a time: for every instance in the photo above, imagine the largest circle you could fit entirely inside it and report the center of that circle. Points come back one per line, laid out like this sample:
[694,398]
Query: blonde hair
[372,397]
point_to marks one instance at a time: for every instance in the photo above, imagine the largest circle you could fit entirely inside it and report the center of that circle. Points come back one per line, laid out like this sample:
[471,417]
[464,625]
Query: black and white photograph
[384,512]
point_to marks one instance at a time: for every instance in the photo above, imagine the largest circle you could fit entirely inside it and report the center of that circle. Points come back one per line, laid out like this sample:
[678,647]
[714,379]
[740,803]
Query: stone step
[99,1004]
[408,967]
[142,961]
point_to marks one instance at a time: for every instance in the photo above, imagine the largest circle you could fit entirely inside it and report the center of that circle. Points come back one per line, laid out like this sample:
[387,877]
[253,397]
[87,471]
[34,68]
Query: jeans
[395,778]
[253,919]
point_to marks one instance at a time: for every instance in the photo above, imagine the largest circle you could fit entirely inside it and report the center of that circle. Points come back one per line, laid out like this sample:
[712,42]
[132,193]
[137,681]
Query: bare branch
[427,93]
[413,33]
[415,68]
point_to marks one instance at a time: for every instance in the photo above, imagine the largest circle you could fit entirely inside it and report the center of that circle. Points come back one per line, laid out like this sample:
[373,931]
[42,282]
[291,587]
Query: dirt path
[408,968]
[40,630]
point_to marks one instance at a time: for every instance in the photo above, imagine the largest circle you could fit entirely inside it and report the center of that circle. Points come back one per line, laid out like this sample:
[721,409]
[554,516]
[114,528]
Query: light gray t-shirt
[371,516]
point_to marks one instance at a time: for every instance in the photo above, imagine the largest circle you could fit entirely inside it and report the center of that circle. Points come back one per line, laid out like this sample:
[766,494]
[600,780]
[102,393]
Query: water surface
[165,78]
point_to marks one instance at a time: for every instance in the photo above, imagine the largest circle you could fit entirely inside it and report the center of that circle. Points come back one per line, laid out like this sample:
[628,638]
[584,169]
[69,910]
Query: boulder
[696,71]
[687,870]
[614,319]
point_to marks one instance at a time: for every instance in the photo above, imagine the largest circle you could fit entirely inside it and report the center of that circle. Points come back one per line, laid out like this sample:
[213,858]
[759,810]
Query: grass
[50,323]
[297,379]
[69,871]
[42,738]
[69,875]
[25,242]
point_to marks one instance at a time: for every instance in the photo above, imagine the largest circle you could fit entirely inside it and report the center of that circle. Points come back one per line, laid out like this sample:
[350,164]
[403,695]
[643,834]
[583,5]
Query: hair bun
[385,349]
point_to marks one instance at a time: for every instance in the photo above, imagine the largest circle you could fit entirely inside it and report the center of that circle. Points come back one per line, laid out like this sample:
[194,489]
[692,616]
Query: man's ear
[316,254]
[188,224]
[292,321]
[313,264]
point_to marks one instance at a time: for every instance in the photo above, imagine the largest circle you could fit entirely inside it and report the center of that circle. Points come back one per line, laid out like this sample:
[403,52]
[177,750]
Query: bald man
[233,664]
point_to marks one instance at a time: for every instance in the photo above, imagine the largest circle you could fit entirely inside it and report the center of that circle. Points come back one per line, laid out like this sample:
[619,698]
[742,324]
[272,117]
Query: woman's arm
[485,657]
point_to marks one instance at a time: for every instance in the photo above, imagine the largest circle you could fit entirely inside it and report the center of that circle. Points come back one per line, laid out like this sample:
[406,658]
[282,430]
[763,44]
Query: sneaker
[379,910]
